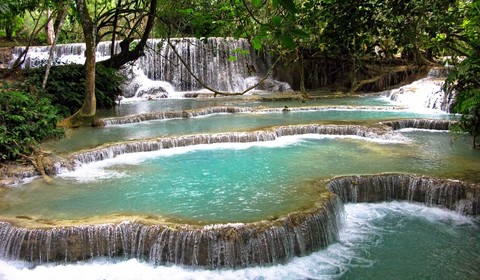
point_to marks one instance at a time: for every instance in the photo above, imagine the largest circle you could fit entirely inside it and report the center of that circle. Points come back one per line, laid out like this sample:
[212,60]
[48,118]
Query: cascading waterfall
[382,131]
[232,245]
[225,64]
[454,195]
[273,241]
[162,115]
[420,124]
[210,60]
[37,56]
[426,93]
[211,246]
[112,150]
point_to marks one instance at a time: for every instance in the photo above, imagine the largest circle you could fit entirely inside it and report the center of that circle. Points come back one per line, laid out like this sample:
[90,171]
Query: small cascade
[453,195]
[426,93]
[211,246]
[74,53]
[431,124]
[140,86]
[162,115]
[113,150]
[171,115]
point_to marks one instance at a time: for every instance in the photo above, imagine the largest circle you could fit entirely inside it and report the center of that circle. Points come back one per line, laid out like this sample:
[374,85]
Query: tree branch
[215,91]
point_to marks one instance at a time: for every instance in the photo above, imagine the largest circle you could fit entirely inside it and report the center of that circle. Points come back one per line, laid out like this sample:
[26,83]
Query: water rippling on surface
[373,236]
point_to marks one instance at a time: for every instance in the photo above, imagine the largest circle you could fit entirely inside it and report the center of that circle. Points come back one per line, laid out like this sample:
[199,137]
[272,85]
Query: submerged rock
[12,174]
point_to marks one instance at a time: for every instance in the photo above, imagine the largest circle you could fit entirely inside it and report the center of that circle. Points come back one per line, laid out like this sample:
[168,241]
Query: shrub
[25,120]
[66,86]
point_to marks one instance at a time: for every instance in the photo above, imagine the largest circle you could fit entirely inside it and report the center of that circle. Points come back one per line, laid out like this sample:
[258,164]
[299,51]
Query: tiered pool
[244,182]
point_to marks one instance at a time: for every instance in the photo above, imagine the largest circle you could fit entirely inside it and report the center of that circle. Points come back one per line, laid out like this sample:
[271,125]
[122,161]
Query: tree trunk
[9,30]
[50,32]
[303,90]
[61,18]
[86,114]
[114,33]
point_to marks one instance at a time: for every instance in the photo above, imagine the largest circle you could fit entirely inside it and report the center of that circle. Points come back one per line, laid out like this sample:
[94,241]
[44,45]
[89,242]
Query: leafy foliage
[66,86]
[11,15]
[25,120]
[465,77]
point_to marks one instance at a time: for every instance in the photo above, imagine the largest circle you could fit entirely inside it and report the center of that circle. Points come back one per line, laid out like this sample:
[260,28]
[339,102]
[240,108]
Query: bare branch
[215,91]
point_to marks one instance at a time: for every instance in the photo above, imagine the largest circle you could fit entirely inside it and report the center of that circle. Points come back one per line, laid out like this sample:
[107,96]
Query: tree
[464,79]
[53,41]
[132,14]
[85,115]
[94,29]
[11,13]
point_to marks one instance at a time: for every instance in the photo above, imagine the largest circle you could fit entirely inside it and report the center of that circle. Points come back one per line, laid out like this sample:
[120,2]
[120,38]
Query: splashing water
[377,241]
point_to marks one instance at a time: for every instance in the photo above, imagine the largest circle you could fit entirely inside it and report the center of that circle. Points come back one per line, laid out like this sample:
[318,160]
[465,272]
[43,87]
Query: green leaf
[232,58]
[300,33]
[257,2]
[287,41]
[276,21]
[186,11]
[288,5]
[256,43]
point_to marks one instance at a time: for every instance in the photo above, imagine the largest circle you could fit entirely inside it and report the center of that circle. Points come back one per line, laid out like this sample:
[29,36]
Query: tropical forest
[239,139]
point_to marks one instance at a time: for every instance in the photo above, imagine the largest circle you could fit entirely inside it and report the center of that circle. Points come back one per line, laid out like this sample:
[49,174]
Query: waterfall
[266,242]
[431,124]
[112,150]
[426,93]
[454,195]
[210,246]
[222,63]
[225,64]
[37,56]
[162,115]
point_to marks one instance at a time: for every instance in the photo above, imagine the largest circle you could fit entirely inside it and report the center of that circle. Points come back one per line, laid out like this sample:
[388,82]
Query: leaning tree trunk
[86,114]
[126,55]
[63,15]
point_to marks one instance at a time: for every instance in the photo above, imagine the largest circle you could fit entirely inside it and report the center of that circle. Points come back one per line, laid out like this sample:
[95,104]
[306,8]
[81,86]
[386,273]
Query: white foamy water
[424,95]
[361,231]
[99,170]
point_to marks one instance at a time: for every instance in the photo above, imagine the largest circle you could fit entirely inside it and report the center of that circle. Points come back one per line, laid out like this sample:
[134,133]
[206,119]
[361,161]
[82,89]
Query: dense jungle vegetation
[359,40]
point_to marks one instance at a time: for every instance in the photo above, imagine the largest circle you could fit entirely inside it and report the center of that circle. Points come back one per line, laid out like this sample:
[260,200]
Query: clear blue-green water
[90,137]
[393,240]
[246,182]
[234,182]
[138,107]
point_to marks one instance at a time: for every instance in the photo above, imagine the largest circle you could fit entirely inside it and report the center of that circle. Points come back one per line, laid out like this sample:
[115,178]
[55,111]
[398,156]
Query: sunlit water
[90,137]
[233,182]
[229,183]
[142,106]
[377,241]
